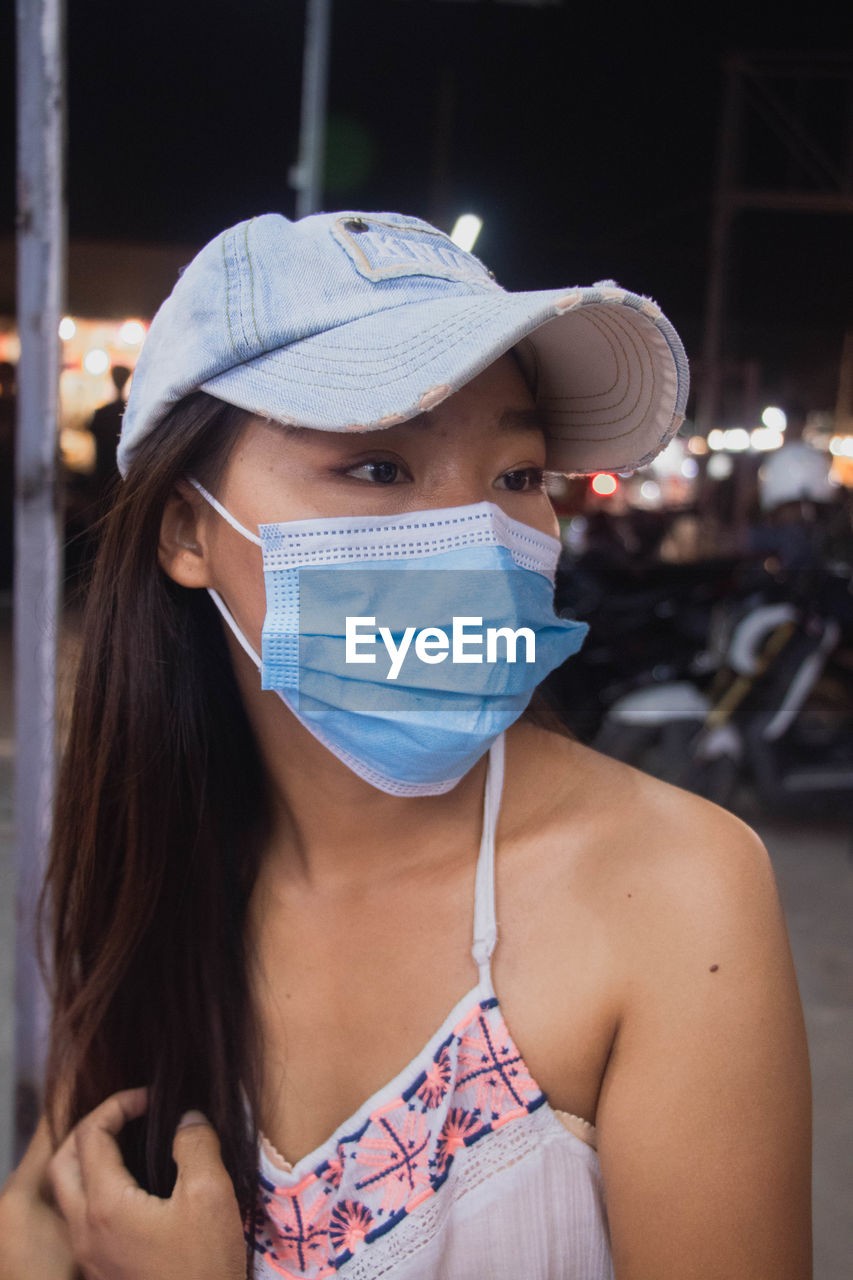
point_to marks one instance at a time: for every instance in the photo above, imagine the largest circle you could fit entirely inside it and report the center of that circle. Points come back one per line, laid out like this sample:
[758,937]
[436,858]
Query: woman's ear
[182,550]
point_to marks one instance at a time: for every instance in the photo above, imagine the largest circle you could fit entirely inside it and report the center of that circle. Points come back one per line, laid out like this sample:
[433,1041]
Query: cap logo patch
[382,251]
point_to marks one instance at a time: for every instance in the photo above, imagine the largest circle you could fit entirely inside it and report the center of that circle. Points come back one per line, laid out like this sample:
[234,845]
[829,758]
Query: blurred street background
[707,164]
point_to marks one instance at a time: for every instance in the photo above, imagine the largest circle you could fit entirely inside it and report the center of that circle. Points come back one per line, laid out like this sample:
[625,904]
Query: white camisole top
[458,1169]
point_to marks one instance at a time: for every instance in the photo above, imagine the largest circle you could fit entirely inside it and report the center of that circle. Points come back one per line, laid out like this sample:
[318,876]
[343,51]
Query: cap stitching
[247,345]
[412,347]
[227,294]
[387,354]
[618,348]
[298,376]
[553,425]
[605,422]
[384,358]
[277,376]
[405,343]
[251,278]
[590,318]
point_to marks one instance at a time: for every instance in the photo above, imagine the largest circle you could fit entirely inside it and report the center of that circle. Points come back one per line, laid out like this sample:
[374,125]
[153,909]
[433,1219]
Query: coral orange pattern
[474,1083]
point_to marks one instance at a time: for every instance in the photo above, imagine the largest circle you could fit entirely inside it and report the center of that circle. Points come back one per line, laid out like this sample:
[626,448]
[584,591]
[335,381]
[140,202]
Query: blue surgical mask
[406,644]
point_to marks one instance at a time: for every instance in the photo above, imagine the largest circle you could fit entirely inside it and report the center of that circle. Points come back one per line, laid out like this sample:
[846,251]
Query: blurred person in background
[88,493]
[797,500]
[105,426]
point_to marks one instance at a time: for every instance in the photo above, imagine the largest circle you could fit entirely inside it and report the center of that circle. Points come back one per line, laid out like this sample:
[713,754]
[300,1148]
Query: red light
[604,484]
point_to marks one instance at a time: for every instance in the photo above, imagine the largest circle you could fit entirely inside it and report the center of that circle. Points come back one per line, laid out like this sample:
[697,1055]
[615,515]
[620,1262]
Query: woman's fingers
[102,1167]
[31,1172]
[34,1238]
[113,1114]
[197,1153]
[205,1202]
[66,1181]
[119,1231]
[88,1166]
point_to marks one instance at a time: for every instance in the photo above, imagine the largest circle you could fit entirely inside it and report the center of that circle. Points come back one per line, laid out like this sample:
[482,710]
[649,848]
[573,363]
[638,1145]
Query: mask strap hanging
[227,615]
[226,515]
[230,622]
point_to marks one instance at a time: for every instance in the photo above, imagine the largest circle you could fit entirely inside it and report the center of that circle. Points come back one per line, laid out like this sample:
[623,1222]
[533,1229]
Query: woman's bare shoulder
[680,944]
[622,831]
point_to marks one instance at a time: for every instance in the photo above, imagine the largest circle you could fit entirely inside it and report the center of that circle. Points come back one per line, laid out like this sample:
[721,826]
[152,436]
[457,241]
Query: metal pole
[40,286]
[708,399]
[307,175]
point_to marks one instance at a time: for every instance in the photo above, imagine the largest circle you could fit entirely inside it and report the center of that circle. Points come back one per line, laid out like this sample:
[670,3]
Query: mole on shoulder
[713,968]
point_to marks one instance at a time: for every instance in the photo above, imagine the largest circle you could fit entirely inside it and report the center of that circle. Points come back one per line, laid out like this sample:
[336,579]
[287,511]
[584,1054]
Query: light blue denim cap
[352,321]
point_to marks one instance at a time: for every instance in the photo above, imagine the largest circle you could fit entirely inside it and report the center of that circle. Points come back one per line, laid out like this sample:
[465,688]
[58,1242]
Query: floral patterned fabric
[368,1180]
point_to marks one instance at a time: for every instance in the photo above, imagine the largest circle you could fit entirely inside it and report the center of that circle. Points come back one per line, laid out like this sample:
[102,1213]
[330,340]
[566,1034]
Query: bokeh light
[131,333]
[775,418]
[468,226]
[720,467]
[96,361]
[765,438]
[736,439]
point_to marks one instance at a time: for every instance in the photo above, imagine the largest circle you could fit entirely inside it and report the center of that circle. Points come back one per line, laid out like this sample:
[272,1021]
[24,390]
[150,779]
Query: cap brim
[607,369]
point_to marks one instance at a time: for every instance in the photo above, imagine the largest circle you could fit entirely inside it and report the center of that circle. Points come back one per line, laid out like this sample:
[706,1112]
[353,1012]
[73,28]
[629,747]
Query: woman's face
[482,444]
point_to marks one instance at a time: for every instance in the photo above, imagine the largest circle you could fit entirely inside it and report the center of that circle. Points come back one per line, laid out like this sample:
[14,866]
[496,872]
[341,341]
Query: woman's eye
[525,481]
[379,472]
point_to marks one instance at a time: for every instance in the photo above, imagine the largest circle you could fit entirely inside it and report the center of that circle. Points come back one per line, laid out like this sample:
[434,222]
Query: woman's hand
[34,1239]
[118,1231]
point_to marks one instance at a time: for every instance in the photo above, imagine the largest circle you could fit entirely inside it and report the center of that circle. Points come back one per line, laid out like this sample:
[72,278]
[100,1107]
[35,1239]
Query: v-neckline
[294,1172]
[484,941]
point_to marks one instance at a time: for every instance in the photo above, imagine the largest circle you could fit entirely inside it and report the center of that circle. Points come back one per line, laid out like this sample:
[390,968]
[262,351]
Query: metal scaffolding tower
[789,118]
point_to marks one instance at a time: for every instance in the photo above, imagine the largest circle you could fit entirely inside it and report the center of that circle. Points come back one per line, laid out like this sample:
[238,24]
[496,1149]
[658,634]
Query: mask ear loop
[226,613]
[233,628]
[226,515]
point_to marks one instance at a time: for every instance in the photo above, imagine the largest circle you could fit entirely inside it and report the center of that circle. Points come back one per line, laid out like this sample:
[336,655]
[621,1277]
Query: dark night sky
[583,135]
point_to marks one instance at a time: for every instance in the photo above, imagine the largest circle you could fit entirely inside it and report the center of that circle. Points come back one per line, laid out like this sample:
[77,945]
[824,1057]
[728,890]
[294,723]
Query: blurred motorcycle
[777,712]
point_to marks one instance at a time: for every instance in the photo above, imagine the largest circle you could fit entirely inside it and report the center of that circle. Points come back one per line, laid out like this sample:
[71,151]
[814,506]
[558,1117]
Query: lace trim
[579,1127]
[273,1154]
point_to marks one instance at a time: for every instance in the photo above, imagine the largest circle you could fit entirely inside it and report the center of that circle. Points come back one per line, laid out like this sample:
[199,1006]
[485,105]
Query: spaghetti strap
[485,918]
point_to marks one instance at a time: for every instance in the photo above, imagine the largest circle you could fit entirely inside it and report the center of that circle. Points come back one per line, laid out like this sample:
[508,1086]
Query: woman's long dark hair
[160,816]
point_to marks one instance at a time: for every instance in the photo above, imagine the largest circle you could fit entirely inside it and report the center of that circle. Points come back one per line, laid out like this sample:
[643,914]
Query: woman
[264,893]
